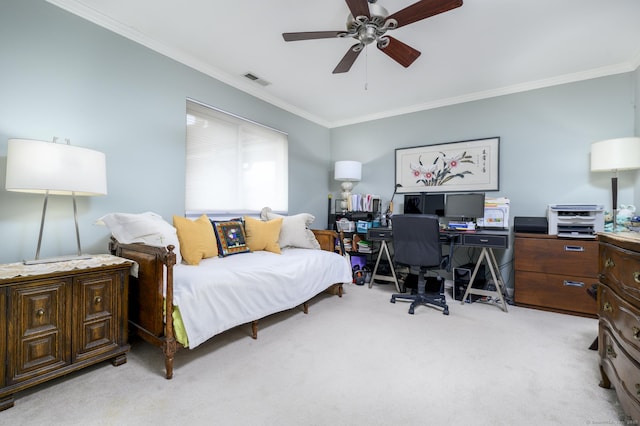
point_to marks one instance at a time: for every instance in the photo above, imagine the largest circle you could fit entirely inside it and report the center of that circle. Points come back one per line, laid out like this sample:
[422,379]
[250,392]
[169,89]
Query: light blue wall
[545,138]
[63,76]
[637,133]
[637,100]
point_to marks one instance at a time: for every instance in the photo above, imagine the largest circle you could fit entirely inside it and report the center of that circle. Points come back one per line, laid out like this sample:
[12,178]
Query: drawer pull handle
[97,300]
[40,313]
[573,248]
[609,263]
[568,283]
[611,352]
[636,277]
[636,332]
[607,307]
[482,240]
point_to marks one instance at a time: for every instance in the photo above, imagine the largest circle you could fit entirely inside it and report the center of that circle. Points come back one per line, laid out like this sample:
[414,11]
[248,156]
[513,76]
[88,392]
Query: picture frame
[470,165]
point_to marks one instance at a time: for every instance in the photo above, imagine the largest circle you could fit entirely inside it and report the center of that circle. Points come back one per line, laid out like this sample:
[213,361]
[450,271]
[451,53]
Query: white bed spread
[221,293]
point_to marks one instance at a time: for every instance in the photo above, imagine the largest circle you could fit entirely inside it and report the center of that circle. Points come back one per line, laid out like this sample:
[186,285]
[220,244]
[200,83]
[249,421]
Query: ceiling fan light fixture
[368,34]
[369,22]
[383,42]
[378,16]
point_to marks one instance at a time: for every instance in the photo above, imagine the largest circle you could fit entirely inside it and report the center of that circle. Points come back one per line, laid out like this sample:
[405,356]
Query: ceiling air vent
[251,76]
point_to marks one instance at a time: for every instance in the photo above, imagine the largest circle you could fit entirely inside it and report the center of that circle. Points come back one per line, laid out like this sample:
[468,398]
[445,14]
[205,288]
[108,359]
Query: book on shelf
[364,246]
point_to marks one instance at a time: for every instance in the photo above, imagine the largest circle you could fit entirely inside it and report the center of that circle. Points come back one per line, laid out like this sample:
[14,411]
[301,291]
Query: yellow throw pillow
[263,235]
[197,240]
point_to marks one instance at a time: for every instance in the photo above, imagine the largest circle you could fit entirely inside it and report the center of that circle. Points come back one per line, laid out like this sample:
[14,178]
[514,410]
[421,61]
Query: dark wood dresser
[60,317]
[554,273]
[619,318]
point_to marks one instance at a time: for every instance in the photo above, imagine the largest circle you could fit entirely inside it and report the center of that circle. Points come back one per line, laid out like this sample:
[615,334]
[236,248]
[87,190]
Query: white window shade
[233,166]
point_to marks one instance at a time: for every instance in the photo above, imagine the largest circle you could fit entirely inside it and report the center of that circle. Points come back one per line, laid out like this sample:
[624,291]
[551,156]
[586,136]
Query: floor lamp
[613,155]
[51,168]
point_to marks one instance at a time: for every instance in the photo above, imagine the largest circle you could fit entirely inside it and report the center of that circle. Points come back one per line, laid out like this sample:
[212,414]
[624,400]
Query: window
[234,166]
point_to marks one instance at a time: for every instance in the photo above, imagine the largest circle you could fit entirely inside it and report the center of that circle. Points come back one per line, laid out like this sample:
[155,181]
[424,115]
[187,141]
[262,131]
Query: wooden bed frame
[146,300]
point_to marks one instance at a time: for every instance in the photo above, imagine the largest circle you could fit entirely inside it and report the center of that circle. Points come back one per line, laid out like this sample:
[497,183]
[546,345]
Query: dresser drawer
[554,291]
[621,369]
[620,317]
[557,256]
[486,240]
[621,271]
[96,328]
[39,331]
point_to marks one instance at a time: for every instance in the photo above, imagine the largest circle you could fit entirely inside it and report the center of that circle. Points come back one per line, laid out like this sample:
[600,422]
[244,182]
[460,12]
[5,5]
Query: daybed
[219,293]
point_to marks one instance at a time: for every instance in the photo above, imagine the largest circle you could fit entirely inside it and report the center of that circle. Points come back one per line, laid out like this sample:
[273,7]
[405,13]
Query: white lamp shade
[615,154]
[39,166]
[348,171]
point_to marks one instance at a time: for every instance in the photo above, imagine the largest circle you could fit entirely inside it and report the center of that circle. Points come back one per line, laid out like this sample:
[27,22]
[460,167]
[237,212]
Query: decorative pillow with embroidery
[231,237]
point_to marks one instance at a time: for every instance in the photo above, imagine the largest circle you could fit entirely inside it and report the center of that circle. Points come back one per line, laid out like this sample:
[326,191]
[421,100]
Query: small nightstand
[60,317]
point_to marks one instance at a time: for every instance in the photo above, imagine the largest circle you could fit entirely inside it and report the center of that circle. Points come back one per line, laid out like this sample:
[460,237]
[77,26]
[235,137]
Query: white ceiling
[484,48]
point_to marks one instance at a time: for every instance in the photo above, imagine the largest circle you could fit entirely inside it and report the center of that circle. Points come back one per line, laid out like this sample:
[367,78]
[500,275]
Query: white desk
[485,239]
[488,240]
[384,235]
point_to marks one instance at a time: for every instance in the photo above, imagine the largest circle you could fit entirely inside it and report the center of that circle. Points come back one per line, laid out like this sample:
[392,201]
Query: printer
[575,220]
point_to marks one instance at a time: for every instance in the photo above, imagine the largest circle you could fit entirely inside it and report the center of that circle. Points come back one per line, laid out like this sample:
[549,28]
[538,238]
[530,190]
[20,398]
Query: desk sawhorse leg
[384,249]
[494,268]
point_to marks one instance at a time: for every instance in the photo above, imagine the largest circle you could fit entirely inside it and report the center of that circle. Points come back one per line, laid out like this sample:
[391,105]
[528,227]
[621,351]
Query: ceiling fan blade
[402,53]
[359,7]
[311,35]
[423,9]
[347,60]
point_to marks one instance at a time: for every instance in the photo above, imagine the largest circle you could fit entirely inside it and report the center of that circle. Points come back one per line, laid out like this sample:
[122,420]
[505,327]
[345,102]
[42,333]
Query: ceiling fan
[369,22]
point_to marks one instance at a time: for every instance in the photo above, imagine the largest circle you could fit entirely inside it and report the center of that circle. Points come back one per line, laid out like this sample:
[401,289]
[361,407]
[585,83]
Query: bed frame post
[170,344]
[254,329]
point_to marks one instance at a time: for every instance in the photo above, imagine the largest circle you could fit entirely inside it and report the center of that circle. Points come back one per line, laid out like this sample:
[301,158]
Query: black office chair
[416,244]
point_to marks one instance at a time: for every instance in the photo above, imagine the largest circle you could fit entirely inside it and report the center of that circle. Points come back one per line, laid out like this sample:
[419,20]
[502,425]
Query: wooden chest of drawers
[554,273]
[619,318]
[60,318]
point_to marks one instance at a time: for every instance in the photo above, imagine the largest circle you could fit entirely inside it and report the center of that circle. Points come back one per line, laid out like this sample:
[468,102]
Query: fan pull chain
[366,68]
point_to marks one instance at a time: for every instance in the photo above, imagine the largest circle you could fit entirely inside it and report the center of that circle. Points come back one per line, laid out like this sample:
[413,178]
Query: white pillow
[148,228]
[295,230]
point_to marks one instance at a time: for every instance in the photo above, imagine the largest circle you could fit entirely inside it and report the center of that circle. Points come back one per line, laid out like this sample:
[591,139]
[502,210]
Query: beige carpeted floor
[359,360]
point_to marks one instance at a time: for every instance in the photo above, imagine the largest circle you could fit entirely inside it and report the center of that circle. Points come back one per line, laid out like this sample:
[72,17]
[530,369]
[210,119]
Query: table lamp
[51,168]
[347,172]
[614,155]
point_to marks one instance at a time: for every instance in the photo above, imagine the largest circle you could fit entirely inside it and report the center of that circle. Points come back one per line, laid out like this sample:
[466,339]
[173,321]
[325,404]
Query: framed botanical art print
[471,165]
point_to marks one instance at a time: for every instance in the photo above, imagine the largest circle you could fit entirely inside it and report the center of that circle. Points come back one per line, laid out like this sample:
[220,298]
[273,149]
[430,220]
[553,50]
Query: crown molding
[237,82]
[508,90]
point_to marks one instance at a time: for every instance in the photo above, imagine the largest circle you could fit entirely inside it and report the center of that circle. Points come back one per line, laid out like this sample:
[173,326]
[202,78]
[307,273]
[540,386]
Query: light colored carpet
[359,360]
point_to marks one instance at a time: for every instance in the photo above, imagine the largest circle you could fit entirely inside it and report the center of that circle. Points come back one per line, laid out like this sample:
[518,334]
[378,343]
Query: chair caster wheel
[393,300]
[411,311]
[445,312]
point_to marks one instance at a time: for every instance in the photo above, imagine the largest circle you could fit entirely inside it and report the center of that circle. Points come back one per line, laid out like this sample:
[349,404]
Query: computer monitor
[465,206]
[413,204]
[434,204]
[424,204]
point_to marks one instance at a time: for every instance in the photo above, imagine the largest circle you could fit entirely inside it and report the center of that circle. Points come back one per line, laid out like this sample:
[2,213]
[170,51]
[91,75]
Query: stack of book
[364,246]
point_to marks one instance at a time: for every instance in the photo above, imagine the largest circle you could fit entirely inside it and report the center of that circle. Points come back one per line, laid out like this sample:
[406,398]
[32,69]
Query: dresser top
[19,269]
[628,239]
